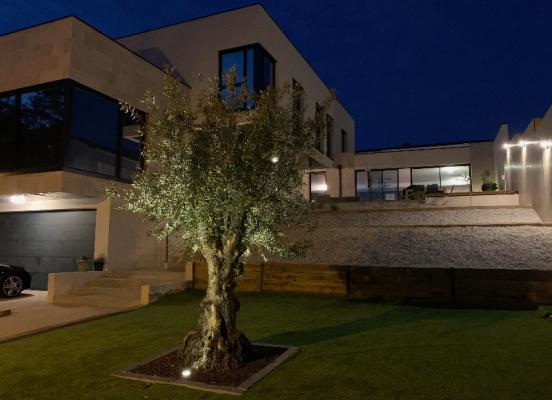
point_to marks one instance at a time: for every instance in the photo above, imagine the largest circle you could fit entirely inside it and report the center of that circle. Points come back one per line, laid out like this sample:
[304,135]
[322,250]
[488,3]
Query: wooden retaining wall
[485,288]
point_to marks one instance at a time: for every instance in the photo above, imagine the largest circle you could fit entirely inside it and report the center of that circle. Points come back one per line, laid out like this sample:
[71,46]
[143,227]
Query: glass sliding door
[361,185]
[384,184]
[376,185]
[390,184]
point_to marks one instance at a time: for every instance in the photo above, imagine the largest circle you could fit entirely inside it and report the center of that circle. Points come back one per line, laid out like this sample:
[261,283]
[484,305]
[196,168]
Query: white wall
[528,169]
[193,48]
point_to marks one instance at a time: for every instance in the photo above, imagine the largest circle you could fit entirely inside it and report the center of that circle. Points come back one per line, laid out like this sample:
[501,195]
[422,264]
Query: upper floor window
[329,135]
[41,128]
[297,99]
[318,128]
[255,68]
[8,131]
[343,141]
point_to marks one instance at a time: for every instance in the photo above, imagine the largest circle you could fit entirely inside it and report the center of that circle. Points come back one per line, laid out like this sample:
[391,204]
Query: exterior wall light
[18,199]
[275,159]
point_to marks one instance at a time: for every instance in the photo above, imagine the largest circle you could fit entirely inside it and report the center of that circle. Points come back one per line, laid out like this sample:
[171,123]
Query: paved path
[31,313]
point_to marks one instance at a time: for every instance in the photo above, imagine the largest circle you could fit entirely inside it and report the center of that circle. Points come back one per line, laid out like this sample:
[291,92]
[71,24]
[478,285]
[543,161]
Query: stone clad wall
[69,48]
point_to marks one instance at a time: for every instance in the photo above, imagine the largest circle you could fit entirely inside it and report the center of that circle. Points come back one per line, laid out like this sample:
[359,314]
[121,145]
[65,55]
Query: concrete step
[123,289]
[127,293]
[147,275]
[97,300]
[113,282]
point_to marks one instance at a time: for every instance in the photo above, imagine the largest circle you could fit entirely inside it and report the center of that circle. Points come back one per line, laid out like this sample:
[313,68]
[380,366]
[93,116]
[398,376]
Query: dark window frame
[297,101]
[343,141]
[329,129]
[318,130]
[258,52]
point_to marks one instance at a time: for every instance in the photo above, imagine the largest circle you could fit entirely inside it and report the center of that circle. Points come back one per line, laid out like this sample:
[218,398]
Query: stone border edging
[238,390]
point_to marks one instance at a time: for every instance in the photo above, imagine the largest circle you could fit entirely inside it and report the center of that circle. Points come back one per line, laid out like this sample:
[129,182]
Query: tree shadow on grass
[460,320]
[317,335]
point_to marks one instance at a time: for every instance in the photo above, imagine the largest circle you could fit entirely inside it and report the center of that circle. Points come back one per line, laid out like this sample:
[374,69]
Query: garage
[47,241]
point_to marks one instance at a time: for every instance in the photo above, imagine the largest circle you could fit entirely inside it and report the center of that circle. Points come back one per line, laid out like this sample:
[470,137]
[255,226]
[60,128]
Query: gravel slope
[520,247]
[377,239]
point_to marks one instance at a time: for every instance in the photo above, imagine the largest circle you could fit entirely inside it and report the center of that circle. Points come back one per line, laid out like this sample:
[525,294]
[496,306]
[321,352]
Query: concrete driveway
[31,313]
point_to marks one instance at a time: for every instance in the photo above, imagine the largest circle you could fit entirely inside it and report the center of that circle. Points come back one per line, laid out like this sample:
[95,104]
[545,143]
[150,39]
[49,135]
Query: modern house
[64,138]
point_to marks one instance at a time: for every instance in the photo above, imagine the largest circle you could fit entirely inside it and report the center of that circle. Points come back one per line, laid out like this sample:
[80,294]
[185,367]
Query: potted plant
[83,264]
[488,184]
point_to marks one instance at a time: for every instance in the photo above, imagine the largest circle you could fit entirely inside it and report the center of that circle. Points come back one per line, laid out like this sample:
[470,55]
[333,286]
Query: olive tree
[224,174]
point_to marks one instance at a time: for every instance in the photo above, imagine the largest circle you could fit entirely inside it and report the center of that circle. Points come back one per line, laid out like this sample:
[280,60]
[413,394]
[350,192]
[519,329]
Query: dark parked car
[13,280]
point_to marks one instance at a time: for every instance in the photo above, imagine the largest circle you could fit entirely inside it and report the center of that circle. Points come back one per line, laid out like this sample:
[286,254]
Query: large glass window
[427,177]
[41,129]
[42,115]
[254,68]
[361,184]
[384,184]
[318,186]
[94,133]
[8,132]
[455,179]
[451,179]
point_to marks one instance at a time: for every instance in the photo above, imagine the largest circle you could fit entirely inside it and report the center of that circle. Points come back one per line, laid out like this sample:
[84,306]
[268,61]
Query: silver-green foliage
[222,175]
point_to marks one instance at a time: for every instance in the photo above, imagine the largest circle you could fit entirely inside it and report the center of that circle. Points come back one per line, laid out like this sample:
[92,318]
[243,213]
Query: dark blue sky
[409,71]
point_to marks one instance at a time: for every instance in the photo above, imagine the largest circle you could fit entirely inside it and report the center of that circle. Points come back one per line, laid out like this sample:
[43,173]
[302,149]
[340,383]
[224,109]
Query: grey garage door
[46,241]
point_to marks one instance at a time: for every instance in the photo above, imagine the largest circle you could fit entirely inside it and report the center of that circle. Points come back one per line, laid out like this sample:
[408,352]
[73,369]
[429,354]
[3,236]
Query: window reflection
[131,145]
[362,185]
[8,131]
[97,137]
[455,179]
[93,145]
[254,68]
[41,128]
[318,186]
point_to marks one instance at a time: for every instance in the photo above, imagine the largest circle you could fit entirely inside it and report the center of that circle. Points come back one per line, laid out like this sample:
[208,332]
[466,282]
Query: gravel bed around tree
[517,247]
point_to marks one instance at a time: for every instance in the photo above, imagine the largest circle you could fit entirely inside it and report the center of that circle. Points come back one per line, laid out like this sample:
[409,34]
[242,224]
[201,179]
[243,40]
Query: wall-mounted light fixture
[18,199]
[545,144]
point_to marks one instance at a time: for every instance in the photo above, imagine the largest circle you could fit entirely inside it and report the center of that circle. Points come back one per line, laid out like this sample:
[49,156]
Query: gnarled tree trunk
[216,345]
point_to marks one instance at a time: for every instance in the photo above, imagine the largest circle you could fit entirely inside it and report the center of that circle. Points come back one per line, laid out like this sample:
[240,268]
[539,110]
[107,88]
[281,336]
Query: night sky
[408,71]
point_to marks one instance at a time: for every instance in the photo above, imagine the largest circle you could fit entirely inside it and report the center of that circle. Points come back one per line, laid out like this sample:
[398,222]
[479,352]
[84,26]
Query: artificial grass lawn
[349,350]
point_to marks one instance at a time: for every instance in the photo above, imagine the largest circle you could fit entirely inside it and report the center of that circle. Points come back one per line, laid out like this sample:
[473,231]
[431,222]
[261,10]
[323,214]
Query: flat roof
[96,30]
[423,146]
